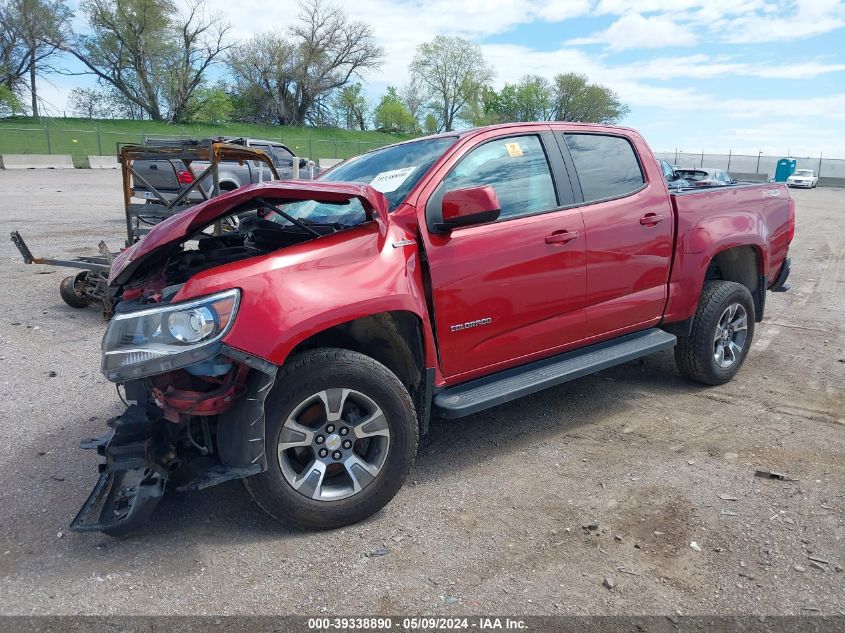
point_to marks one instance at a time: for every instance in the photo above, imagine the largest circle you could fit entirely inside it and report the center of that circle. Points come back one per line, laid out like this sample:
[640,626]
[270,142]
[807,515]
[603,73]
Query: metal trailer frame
[91,285]
[213,151]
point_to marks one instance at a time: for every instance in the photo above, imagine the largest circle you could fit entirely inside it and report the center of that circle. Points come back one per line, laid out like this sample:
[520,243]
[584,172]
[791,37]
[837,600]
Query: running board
[490,391]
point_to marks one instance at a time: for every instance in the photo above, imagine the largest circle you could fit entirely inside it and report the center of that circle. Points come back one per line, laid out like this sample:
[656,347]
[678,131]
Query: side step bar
[490,391]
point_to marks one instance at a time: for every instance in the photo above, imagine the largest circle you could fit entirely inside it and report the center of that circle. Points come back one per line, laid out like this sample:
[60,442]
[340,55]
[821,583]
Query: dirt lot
[494,519]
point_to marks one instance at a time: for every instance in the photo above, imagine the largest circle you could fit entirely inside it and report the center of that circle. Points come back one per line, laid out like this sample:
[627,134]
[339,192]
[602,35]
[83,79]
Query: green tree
[351,107]
[450,69]
[212,104]
[575,99]
[151,52]
[391,115]
[10,105]
[431,123]
[31,32]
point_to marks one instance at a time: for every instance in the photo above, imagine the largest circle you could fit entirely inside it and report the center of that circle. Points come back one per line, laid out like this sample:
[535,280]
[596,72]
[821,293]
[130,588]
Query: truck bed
[716,218]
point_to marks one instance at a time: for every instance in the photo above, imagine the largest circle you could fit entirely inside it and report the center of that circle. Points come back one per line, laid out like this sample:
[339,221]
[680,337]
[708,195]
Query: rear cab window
[607,165]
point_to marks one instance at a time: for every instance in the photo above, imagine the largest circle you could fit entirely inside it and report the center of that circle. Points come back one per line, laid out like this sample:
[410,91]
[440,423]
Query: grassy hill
[81,137]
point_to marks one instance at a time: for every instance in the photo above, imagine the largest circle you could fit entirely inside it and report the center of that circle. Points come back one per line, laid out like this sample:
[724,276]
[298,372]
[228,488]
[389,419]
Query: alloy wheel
[730,336]
[333,444]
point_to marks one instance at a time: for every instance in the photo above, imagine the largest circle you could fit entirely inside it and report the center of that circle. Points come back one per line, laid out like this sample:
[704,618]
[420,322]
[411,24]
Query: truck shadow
[227,510]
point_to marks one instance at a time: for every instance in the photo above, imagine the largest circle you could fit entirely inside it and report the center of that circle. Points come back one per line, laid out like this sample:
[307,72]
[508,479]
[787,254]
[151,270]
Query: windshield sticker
[514,149]
[388,181]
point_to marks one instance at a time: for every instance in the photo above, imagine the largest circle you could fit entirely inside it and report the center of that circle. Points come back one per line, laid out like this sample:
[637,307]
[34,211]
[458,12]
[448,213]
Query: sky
[698,75]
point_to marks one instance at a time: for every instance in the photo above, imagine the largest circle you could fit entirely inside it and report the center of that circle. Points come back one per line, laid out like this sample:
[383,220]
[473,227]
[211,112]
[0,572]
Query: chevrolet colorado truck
[306,351]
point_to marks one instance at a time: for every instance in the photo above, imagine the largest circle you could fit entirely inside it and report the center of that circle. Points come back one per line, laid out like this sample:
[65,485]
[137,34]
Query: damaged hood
[182,226]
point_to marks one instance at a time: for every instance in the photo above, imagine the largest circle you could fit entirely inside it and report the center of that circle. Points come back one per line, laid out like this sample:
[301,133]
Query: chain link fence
[82,143]
[761,166]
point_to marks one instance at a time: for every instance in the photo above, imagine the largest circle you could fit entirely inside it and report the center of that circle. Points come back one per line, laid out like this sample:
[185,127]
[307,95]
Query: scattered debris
[609,583]
[695,546]
[616,537]
[819,560]
[728,513]
[799,568]
[690,462]
[724,497]
[771,474]
[381,551]
[816,565]
[60,534]
[450,600]
[628,571]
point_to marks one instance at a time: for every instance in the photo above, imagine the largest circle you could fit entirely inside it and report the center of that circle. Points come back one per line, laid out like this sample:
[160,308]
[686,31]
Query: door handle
[561,237]
[651,219]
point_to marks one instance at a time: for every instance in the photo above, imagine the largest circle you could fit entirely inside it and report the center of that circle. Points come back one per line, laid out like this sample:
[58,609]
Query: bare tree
[450,69]
[149,51]
[299,69]
[413,97]
[31,32]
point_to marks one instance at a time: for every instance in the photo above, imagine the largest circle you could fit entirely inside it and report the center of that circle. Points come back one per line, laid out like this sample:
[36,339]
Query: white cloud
[635,31]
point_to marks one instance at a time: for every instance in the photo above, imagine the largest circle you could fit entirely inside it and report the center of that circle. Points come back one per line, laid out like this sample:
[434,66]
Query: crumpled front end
[189,428]
[196,416]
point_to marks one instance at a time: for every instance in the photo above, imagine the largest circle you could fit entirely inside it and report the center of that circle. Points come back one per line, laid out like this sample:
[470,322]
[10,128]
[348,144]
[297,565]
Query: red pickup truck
[305,351]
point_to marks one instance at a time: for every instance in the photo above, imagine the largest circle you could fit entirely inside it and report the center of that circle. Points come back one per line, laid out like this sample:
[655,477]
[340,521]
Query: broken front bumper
[149,448]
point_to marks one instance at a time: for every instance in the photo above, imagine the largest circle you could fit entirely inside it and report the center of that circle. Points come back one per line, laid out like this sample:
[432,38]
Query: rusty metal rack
[212,151]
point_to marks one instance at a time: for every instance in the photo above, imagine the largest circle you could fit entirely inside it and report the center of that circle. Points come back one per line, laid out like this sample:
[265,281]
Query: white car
[803,178]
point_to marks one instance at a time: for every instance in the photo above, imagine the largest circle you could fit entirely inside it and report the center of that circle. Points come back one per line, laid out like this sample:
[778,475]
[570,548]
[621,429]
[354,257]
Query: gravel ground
[532,508]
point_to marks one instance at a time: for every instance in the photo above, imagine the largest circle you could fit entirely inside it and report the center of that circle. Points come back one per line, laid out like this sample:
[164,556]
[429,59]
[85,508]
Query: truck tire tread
[304,371]
[693,355]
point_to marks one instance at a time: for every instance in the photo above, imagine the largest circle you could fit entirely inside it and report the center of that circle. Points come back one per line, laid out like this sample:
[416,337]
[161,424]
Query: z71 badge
[470,324]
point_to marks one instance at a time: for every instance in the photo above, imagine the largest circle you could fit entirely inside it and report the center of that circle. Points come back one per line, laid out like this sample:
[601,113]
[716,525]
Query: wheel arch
[744,265]
[395,339]
[227,184]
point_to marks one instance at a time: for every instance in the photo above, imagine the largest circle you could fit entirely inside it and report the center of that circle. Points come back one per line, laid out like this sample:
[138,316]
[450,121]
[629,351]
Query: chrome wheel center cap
[333,442]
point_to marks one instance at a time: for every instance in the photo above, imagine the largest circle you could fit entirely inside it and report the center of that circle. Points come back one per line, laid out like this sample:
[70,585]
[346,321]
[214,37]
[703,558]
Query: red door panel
[629,226]
[627,261]
[501,292]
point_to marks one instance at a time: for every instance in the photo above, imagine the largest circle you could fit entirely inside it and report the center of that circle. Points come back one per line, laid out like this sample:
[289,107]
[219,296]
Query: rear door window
[607,166]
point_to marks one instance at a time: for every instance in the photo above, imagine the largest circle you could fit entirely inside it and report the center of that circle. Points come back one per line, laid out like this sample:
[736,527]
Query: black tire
[310,373]
[71,291]
[694,355]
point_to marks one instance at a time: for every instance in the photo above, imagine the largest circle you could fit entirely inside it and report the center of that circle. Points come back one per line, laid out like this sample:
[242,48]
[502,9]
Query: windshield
[803,172]
[392,170]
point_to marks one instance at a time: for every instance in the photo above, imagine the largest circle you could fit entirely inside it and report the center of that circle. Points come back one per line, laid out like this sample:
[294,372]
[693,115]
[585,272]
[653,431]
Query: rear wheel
[341,437]
[72,291]
[721,335]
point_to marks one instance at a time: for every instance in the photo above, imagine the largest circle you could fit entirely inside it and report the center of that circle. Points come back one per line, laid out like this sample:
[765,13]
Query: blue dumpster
[784,169]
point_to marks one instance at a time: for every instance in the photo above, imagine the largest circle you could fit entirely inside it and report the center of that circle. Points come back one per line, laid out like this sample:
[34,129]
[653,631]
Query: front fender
[291,295]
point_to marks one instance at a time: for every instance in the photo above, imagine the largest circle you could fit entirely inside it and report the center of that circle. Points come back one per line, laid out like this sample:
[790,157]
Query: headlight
[164,338]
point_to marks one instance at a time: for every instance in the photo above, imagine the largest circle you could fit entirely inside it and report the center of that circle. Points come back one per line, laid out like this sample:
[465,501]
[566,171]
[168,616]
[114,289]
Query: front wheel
[721,335]
[341,437]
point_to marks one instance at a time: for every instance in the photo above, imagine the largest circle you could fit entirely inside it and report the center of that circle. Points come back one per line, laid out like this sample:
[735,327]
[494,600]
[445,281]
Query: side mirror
[465,207]
[734,181]
[303,163]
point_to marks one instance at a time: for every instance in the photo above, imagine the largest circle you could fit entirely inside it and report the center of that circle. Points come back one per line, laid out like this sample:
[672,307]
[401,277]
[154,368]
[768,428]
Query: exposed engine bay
[198,413]
[257,228]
